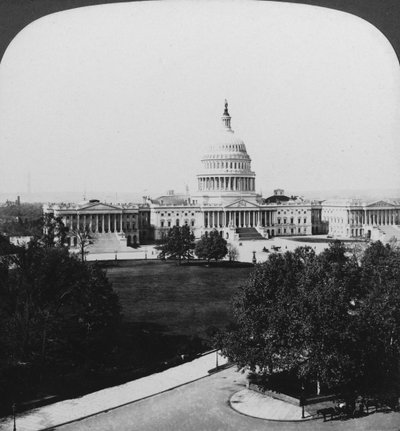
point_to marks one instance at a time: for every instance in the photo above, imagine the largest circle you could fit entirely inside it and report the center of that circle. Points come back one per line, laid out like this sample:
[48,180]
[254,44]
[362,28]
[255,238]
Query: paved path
[204,406]
[200,405]
[69,410]
[254,404]
[245,250]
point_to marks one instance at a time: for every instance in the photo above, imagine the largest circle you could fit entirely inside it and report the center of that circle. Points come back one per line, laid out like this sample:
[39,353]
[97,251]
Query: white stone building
[226,200]
[354,218]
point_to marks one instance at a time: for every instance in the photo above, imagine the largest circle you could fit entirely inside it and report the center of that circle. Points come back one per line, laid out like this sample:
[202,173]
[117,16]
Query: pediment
[242,203]
[99,207]
[378,204]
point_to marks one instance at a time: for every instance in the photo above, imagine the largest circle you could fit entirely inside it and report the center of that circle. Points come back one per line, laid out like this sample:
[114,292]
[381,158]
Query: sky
[127,97]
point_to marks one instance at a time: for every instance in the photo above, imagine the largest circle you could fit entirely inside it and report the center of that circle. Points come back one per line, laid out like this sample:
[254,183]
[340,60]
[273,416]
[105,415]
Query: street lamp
[254,260]
[15,424]
[216,359]
[302,399]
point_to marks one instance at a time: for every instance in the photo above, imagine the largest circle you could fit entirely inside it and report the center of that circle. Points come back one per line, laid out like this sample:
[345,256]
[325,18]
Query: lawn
[176,300]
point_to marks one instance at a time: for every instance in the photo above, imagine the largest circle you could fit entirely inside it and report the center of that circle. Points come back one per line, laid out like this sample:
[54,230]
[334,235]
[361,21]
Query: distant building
[354,218]
[226,200]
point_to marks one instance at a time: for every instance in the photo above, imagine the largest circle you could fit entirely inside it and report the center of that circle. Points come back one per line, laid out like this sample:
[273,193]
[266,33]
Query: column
[97,223]
[108,223]
[120,223]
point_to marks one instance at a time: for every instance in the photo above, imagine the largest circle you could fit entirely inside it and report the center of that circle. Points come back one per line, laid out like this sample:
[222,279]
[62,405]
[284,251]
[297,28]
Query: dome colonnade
[226,167]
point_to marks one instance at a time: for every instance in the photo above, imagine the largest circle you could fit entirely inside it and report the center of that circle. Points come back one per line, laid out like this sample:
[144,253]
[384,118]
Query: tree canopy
[212,246]
[179,244]
[326,316]
[55,311]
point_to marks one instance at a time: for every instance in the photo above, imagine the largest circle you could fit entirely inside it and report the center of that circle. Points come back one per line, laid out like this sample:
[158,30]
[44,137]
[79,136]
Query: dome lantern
[226,118]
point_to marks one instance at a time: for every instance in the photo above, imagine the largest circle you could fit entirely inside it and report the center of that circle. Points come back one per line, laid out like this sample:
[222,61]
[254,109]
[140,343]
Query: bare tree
[84,238]
[233,253]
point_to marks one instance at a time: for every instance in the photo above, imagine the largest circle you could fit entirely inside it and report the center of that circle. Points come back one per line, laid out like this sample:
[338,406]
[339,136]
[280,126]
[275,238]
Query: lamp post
[116,255]
[302,399]
[14,419]
[254,260]
[216,359]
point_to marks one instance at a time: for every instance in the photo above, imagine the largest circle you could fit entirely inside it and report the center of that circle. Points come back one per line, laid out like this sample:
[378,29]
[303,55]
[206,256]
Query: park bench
[329,411]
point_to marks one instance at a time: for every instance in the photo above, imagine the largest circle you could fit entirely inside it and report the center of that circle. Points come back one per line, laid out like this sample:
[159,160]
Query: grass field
[176,300]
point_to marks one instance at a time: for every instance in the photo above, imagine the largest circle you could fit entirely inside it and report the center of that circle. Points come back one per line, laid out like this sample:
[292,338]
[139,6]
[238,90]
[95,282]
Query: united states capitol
[226,200]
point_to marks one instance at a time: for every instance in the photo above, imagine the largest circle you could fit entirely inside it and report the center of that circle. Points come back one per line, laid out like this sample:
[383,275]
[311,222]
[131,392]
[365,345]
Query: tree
[54,232]
[21,219]
[84,238]
[179,244]
[233,253]
[379,318]
[54,311]
[323,316]
[212,246]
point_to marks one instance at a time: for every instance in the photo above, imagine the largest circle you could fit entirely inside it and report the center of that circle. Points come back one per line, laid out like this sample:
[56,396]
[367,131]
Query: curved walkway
[74,409]
[254,404]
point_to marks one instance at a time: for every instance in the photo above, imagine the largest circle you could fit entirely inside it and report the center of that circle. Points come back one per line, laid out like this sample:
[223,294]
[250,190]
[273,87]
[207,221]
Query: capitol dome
[226,167]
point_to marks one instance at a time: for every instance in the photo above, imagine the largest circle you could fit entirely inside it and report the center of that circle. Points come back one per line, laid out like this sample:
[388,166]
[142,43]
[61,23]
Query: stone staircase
[248,234]
[108,243]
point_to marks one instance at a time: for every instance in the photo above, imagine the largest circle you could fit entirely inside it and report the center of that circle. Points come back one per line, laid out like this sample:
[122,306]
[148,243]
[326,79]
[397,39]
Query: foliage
[212,246]
[54,232]
[54,309]
[179,244]
[21,220]
[326,316]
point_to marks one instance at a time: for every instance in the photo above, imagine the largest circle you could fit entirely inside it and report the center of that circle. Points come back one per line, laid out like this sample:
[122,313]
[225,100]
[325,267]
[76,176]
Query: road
[203,405]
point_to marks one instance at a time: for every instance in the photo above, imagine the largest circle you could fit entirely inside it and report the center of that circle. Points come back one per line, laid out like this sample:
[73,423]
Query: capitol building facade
[226,200]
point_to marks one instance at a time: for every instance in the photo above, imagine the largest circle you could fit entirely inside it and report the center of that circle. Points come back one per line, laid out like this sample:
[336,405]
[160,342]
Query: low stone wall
[287,398]
[273,394]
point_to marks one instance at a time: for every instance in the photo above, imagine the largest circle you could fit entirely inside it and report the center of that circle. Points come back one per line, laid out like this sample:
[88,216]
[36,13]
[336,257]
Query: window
[162,223]
[279,231]
[177,222]
[291,230]
[192,223]
[299,230]
[169,223]
[284,220]
[291,220]
[279,220]
[284,230]
[305,220]
[298,220]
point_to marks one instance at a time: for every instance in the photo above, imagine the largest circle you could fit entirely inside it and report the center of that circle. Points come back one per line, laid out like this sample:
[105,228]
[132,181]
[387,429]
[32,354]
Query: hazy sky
[127,97]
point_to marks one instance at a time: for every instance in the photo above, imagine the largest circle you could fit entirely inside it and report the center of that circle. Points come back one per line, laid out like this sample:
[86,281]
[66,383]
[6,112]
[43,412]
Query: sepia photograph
[199,215]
